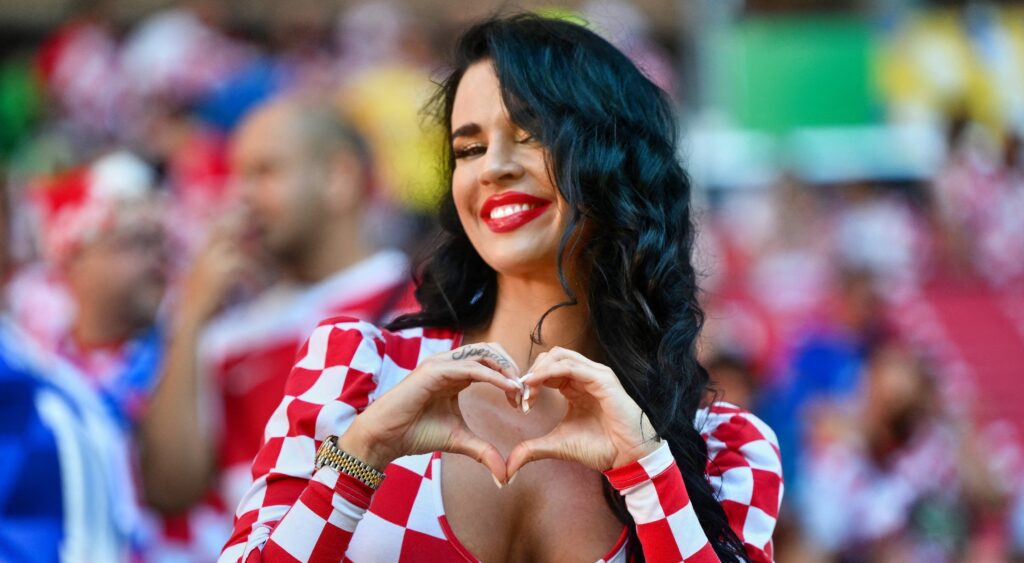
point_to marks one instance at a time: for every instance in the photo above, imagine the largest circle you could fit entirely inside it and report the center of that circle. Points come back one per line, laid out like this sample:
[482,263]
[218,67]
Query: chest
[553,511]
[437,507]
[446,507]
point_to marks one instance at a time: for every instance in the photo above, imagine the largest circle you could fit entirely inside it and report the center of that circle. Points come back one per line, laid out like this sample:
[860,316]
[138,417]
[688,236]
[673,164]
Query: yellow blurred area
[933,67]
[407,144]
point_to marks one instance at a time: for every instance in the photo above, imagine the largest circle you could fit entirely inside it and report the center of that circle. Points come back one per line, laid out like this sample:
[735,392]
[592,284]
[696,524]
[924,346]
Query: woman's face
[508,205]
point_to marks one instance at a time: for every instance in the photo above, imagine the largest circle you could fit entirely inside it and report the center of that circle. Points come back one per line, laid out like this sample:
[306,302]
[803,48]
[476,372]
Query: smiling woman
[546,402]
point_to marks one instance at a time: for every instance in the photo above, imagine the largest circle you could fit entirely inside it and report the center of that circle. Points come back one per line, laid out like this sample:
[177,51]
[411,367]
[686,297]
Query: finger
[560,353]
[513,394]
[543,359]
[489,353]
[514,398]
[460,374]
[545,447]
[465,442]
[501,351]
[498,367]
[556,374]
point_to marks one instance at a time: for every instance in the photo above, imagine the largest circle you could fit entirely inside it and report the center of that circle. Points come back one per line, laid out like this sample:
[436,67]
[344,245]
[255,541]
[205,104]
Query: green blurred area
[777,73]
[20,99]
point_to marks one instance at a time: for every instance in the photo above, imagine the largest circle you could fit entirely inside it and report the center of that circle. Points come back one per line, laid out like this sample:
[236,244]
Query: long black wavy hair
[611,140]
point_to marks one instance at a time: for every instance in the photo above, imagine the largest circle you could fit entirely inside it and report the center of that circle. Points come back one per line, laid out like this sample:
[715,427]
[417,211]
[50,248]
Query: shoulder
[363,346]
[725,426]
[744,462]
[345,365]
[745,470]
[742,449]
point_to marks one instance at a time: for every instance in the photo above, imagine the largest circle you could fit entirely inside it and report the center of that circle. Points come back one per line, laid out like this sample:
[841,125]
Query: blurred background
[860,185]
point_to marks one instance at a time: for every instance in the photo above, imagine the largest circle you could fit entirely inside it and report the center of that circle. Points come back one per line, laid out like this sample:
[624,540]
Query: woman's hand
[603,426]
[421,414]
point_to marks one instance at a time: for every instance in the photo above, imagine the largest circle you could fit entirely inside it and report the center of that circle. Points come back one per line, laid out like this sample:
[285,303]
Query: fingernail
[513,478]
[496,481]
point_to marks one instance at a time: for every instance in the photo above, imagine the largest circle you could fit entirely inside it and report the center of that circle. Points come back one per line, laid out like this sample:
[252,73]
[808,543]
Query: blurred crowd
[873,317]
[182,204]
[877,329]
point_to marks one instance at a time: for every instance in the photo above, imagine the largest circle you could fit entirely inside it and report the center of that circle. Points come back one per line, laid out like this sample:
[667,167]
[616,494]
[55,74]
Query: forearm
[177,448]
[318,526]
[666,522]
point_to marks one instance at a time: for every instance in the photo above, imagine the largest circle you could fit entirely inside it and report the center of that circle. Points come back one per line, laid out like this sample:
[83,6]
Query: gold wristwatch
[341,461]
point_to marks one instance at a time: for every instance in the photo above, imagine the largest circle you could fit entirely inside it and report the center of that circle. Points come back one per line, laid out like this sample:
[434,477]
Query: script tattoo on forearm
[481,352]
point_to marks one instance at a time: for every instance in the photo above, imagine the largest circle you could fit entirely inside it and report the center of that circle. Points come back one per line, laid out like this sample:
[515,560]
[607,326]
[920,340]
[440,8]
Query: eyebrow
[466,130]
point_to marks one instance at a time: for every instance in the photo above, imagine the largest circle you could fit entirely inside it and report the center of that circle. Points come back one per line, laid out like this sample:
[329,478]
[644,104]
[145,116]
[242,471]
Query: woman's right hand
[421,414]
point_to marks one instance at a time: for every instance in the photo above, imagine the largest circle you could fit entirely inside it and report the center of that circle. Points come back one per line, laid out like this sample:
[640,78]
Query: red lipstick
[508,211]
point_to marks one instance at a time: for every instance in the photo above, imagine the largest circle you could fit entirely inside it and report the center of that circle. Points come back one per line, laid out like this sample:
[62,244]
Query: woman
[566,250]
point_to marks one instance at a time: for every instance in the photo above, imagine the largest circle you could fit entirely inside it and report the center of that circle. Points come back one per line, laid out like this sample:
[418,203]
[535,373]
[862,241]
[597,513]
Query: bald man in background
[303,176]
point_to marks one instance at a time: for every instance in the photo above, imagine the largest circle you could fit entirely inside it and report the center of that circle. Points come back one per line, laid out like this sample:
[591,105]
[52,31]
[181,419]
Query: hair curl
[612,144]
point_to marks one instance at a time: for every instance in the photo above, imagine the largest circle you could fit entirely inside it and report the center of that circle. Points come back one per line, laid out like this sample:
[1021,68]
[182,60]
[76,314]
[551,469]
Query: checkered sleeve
[292,512]
[744,469]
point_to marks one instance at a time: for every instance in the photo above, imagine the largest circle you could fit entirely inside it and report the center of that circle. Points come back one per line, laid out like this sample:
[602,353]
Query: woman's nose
[500,165]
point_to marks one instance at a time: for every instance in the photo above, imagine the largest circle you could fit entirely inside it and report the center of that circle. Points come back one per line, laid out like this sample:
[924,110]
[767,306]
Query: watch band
[332,456]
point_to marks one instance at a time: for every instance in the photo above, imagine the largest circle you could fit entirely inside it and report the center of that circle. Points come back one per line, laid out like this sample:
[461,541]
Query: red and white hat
[79,205]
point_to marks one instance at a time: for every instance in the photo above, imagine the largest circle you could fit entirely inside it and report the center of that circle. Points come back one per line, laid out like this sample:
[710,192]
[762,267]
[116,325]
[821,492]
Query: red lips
[508,211]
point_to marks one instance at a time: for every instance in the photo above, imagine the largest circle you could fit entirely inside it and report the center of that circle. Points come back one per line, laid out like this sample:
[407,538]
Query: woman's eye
[525,139]
[467,151]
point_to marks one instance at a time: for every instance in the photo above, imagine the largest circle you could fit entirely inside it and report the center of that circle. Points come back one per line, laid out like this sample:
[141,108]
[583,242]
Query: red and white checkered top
[246,355]
[295,513]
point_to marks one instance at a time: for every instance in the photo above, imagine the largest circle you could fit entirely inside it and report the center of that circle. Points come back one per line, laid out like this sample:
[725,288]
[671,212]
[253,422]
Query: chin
[522,262]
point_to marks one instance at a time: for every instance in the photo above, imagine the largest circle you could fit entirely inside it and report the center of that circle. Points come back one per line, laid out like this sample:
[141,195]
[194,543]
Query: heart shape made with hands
[602,427]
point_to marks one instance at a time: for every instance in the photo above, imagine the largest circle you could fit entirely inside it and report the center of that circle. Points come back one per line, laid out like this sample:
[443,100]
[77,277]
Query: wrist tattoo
[481,352]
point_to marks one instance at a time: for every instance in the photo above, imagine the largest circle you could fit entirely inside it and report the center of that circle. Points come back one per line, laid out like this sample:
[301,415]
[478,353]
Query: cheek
[462,193]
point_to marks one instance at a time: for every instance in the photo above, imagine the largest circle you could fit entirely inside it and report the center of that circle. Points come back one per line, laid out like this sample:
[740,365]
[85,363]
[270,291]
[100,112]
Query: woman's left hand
[603,427]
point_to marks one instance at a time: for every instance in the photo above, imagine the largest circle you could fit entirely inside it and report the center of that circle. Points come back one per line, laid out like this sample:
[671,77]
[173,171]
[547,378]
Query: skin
[574,418]
[300,209]
[117,282]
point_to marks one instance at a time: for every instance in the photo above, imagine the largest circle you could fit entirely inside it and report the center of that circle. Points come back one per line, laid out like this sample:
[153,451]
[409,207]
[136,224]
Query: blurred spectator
[1001,240]
[79,63]
[192,157]
[104,237]
[66,492]
[304,180]
[904,480]
[181,53]
[788,243]
[963,190]
[825,364]
[879,233]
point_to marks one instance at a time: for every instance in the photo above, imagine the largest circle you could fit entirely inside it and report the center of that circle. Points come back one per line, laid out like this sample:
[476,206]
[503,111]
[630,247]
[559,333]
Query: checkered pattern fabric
[293,513]
[247,354]
[745,468]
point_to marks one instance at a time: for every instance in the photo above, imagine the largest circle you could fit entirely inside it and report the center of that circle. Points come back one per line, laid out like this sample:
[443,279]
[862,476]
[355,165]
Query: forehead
[478,97]
[268,133]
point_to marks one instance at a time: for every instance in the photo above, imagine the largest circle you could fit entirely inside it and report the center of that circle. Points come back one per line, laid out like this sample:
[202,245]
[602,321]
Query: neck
[94,329]
[520,305]
[339,245]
